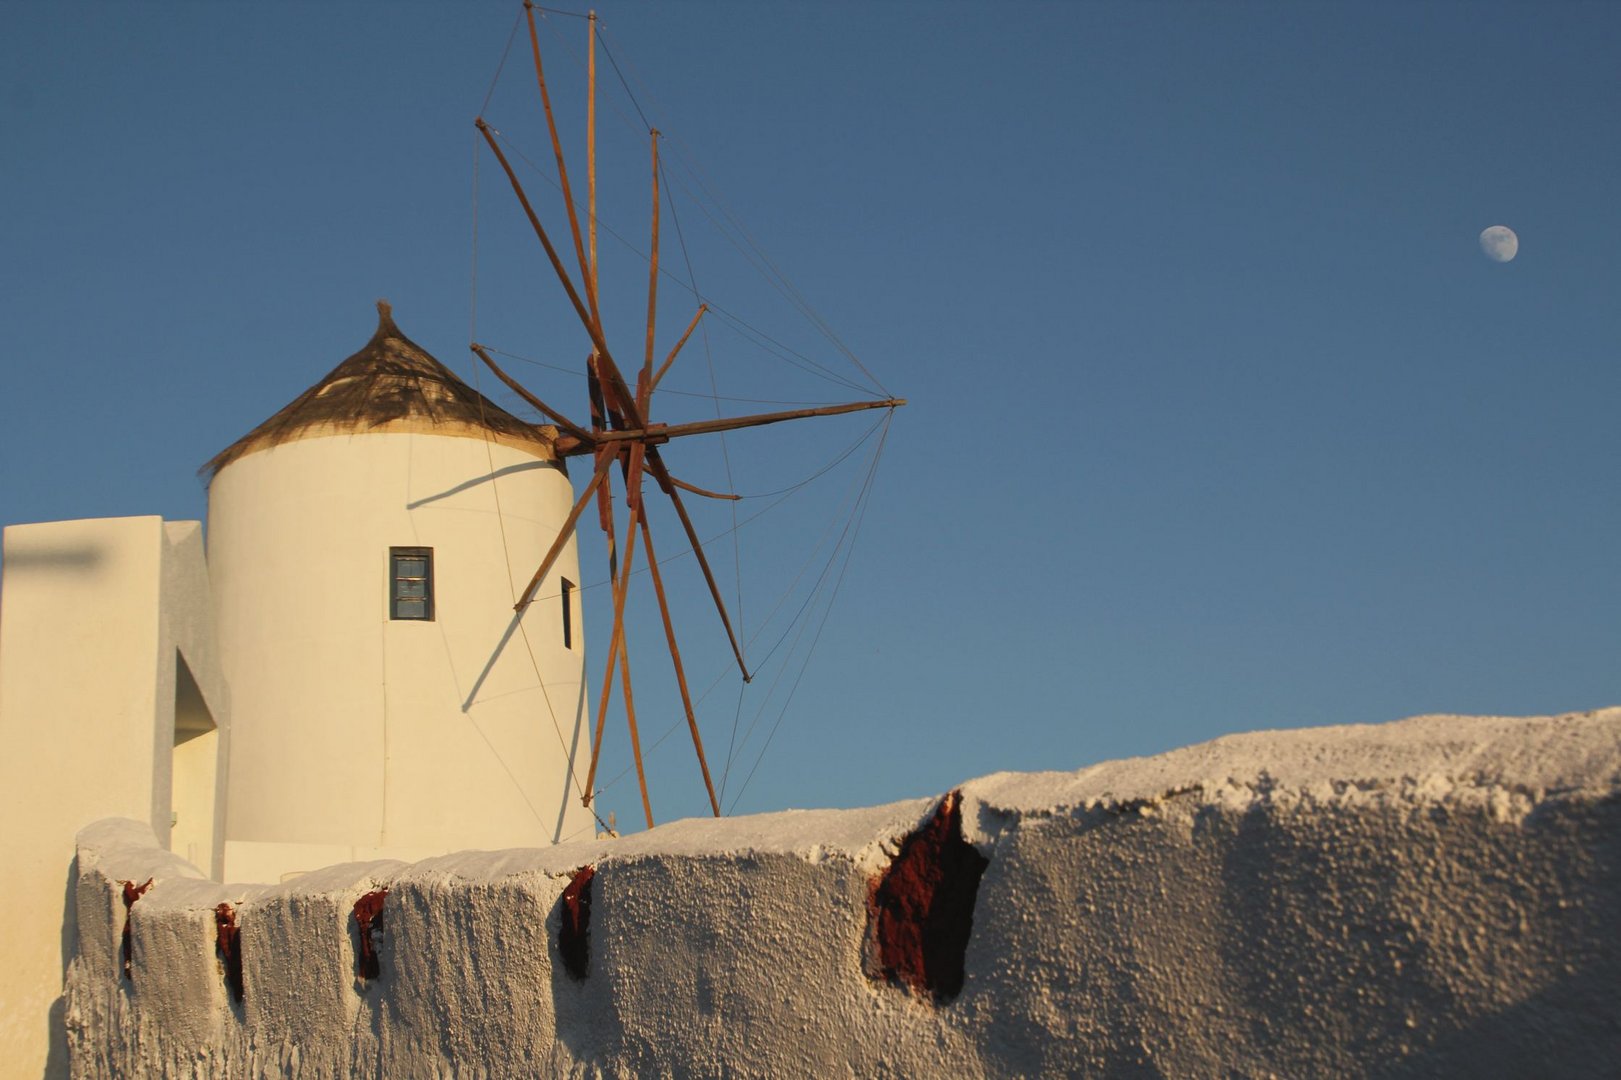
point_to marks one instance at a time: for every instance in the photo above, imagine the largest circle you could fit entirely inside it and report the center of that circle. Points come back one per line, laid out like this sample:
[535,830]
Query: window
[410,573]
[568,614]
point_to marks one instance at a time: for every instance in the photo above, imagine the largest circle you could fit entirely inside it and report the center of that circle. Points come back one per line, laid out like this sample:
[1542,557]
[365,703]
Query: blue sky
[1220,420]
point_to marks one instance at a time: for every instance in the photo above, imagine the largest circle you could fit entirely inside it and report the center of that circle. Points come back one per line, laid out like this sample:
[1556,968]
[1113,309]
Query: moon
[1499,243]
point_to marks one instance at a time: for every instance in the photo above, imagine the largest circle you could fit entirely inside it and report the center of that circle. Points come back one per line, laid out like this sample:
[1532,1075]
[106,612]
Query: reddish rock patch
[368,929]
[132,893]
[228,947]
[574,923]
[920,911]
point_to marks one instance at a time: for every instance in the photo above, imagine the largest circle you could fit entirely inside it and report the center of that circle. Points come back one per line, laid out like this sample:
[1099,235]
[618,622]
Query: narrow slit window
[410,583]
[568,614]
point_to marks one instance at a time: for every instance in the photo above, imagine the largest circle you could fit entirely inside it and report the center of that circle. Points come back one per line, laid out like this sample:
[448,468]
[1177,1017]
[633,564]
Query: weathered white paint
[100,622]
[357,735]
[1433,897]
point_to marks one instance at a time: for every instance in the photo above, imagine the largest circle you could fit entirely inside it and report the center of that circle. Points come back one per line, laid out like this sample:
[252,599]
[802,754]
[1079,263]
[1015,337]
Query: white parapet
[1437,896]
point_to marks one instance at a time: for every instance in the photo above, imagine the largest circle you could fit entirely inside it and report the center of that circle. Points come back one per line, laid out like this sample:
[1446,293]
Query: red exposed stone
[132,893]
[574,923]
[369,927]
[921,910]
[228,947]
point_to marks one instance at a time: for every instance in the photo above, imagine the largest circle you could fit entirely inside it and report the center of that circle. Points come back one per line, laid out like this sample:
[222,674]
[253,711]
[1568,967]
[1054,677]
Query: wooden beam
[657,436]
[666,483]
[610,369]
[668,360]
[546,410]
[591,156]
[565,532]
[696,490]
[615,646]
[644,384]
[680,672]
[562,170]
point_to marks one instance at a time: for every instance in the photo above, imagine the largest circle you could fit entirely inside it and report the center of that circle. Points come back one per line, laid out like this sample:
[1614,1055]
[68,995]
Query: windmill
[621,434]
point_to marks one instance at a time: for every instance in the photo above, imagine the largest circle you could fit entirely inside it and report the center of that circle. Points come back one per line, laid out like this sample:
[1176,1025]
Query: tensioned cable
[724,669]
[783,352]
[500,66]
[837,585]
[735,747]
[771,271]
[780,283]
[775,276]
[725,452]
[495,489]
[575,372]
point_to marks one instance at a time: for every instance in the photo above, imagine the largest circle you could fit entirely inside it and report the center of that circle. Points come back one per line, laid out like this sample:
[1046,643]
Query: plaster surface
[111,703]
[1437,896]
[360,735]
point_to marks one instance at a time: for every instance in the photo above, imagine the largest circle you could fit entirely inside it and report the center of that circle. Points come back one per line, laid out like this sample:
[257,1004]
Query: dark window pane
[410,583]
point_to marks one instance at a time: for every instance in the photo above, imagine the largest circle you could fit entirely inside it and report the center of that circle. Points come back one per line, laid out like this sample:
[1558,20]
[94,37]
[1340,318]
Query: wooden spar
[616,381]
[591,150]
[680,672]
[633,496]
[615,645]
[567,448]
[666,483]
[599,420]
[614,641]
[565,532]
[630,722]
[668,360]
[556,417]
[696,490]
[562,169]
[644,383]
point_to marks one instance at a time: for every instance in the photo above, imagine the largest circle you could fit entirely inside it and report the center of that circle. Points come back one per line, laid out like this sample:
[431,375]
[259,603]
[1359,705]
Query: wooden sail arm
[610,370]
[680,670]
[617,652]
[655,465]
[668,360]
[546,410]
[566,531]
[586,275]
[644,381]
[705,492]
[656,436]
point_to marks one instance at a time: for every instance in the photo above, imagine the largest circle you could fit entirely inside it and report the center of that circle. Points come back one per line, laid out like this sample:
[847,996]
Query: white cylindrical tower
[365,547]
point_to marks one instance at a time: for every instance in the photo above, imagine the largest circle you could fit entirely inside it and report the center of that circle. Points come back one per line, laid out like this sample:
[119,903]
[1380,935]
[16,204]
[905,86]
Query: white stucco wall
[1435,897]
[94,618]
[359,736]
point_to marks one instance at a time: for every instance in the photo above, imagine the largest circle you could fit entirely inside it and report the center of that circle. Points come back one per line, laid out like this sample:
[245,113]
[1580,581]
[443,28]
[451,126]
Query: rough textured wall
[1439,896]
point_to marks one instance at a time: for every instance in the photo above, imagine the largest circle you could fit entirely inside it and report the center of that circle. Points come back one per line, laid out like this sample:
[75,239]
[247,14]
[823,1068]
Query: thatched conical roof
[392,384]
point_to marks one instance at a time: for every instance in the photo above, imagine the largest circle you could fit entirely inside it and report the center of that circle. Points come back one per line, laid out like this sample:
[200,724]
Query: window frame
[395,556]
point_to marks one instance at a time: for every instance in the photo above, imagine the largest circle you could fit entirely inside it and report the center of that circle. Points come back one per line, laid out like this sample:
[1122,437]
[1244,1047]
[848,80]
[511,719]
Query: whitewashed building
[340,676]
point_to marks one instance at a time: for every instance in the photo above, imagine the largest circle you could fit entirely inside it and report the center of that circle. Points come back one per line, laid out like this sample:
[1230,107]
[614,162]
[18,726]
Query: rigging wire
[714,387]
[744,328]
[810,597]
[749,249]
[837,585]
[495,489]
[773,274]
[578,374]
[496,78]
[724,669]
